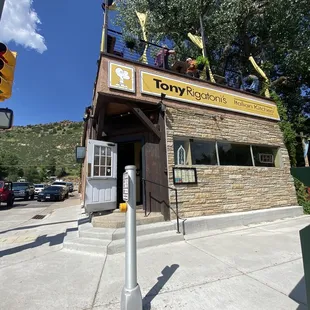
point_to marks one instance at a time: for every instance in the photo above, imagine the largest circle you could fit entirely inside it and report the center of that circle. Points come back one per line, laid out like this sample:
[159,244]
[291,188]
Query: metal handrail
[176,211]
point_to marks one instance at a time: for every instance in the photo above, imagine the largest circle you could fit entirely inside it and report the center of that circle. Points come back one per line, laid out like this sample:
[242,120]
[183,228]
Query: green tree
[20,172]
[51,166]
[61,172]
[32,175]
[8,164]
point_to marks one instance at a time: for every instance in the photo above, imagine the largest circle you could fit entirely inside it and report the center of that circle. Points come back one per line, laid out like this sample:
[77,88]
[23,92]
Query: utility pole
[1,7]
[305,147]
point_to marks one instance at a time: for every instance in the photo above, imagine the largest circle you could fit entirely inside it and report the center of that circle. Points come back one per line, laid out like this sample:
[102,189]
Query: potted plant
[201,62]
[130,43]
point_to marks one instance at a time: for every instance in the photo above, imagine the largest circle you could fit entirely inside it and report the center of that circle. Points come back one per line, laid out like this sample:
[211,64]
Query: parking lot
[23,211]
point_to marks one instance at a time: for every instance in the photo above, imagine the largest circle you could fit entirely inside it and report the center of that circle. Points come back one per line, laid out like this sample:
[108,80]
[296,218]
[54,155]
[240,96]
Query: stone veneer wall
[223,189]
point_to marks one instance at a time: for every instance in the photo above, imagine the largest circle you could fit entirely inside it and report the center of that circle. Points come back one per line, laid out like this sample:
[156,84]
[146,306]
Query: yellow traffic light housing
[7,68]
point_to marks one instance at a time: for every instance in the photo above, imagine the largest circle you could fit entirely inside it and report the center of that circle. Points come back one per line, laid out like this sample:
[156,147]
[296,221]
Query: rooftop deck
[130,69]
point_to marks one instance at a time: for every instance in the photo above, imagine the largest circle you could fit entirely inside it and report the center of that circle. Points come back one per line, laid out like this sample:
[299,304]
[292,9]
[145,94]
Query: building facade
[217,149]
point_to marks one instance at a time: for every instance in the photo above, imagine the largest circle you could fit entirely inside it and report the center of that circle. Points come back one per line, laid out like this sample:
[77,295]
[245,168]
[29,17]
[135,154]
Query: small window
[265,156]
[203,153]
[102,161]
[234,154]
[182,154]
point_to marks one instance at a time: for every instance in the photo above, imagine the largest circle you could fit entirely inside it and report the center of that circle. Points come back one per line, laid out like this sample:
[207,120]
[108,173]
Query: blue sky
[56,64]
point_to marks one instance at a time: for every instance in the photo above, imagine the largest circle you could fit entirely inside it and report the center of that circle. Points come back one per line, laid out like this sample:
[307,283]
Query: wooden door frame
[135,138]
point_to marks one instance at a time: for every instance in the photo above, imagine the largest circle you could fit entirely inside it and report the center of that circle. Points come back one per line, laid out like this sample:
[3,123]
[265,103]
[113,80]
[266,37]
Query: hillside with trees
[36,152]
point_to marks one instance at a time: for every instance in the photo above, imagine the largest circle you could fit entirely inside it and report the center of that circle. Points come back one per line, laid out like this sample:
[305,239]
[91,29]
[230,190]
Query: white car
[38,188]
[64,186]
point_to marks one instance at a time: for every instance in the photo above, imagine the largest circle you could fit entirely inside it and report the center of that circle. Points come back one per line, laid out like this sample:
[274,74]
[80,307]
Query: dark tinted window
[234,154]
[53,189]
[59,183]
[264,156]
[20,185]
[203,153]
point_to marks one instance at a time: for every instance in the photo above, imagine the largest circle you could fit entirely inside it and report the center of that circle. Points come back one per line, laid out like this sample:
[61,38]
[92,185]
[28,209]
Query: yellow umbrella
[142,19]
[112,7]
[198,41]
[263,75]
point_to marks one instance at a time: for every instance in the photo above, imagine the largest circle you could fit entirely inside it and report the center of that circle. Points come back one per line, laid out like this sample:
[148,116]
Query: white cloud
[19,23]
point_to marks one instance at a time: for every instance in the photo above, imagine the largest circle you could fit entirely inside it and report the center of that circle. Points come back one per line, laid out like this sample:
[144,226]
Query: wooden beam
[144,119]
[101,122]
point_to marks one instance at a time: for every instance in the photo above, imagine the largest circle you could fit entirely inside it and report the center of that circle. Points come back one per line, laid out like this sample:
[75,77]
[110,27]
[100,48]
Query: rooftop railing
[154,55]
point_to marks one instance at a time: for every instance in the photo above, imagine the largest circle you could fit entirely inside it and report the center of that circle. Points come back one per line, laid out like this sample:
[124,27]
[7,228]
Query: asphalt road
[23,211]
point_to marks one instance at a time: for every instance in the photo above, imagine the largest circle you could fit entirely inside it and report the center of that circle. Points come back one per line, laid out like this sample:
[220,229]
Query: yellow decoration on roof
[198,41]
[142,19]
[263,75]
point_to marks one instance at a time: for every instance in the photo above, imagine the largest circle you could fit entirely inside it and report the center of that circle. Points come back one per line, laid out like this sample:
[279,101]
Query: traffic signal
[7,68]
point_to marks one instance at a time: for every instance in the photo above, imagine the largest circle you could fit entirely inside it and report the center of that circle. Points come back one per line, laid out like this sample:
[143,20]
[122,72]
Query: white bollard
[131,298]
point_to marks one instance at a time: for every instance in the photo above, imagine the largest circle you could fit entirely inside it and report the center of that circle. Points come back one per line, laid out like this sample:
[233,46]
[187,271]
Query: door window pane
[102,161]
[109,171]
[264,156]
[96,171]
[234,154]
[96,160]
[102,172]
[203,153]
[108,161]
[97,148]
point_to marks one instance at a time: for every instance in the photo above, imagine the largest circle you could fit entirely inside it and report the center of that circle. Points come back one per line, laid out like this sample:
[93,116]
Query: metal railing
[176,211]
[133,48]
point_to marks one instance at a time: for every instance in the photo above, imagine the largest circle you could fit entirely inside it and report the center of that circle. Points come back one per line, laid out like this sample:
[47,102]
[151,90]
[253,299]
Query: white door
[101,180]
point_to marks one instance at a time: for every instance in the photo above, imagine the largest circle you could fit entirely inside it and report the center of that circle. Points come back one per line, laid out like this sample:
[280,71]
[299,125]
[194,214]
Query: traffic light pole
[131,298]
[1,7]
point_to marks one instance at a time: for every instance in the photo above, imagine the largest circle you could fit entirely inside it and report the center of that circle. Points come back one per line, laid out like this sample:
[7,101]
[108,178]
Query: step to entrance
[102,241]
[87,246]
[116,219]
[146,241]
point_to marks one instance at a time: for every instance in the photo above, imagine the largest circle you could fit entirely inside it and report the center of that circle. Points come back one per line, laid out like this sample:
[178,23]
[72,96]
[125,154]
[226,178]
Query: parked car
[23,190]
[70,185]
[64,186]
[55,193]
[6,193]
[38,188]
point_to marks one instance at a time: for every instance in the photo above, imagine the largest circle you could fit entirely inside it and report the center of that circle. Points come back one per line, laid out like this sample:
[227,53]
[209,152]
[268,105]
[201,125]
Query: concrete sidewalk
[257,267]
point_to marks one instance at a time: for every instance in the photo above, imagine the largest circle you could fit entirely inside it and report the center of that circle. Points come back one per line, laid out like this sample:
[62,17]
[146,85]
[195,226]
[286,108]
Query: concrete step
[97,233]
[117,234]
[117,219]
[143,230]
[167,237]
[87,246]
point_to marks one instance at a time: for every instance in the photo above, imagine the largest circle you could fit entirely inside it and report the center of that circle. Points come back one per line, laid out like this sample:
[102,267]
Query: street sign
[125,186]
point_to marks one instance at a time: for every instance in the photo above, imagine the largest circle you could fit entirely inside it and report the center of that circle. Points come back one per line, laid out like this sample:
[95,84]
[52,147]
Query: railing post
[144,196]
[177,210]
[150,195]
[163,58]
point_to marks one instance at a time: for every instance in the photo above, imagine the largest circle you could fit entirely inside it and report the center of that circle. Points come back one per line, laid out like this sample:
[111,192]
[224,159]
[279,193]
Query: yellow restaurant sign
[121,77]
[153,84]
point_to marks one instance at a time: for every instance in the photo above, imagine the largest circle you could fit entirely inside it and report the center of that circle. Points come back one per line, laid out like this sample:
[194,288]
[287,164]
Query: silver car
[38,188]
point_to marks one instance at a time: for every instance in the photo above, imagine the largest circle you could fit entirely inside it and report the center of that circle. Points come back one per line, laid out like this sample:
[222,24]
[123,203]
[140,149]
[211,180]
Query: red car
[6,193]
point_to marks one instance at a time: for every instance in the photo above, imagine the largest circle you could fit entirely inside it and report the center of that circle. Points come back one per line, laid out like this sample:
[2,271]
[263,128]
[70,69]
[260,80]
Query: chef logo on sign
[123,75]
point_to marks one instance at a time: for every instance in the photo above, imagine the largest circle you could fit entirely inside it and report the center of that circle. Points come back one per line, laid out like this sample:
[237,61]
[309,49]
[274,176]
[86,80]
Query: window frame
[188,150]
[105,166]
